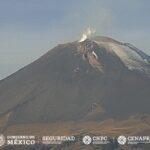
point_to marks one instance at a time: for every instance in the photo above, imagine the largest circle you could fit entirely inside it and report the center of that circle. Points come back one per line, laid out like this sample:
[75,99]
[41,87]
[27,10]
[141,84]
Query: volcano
[93,80]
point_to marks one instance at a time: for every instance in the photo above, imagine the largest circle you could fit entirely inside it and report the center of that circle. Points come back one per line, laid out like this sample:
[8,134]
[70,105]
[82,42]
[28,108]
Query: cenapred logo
[2,140]
[122,140]
[87,140]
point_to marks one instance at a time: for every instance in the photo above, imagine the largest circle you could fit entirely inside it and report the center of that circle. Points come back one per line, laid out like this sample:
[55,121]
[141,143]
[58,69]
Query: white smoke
[89,31]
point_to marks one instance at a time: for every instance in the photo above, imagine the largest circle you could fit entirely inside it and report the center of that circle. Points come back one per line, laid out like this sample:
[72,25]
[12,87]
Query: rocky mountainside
[93,80]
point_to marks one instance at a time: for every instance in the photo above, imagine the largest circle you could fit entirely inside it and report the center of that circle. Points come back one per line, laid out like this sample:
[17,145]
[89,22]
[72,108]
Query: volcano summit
[93,80]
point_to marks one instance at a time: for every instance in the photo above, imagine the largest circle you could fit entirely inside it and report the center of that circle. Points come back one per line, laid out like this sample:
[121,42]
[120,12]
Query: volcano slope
[96,80]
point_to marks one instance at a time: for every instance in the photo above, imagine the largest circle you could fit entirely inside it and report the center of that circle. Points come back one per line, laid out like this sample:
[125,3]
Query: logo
[87,140]
[138,139]
[20,140]
[2,140]
[122,140]
[100,140]
[57,139]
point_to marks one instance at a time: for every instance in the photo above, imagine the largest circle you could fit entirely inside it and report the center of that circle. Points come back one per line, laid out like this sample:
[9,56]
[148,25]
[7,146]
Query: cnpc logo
[87,140]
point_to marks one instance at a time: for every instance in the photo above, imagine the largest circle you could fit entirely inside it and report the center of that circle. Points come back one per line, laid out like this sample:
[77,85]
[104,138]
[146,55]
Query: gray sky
[29,28]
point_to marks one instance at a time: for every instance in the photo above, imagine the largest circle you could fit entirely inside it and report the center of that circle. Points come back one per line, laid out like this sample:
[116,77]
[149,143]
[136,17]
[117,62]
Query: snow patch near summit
[95,55]
[131,59]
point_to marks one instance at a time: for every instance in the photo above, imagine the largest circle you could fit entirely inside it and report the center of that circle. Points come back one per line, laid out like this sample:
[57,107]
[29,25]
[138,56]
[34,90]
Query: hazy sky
[29,28]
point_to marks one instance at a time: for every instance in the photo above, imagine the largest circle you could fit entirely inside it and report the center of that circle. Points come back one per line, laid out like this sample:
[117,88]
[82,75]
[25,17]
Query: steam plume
[89,31]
